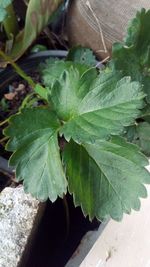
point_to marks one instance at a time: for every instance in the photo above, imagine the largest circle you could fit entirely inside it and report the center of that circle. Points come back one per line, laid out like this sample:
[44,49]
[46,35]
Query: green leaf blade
[36,157]
[104,180]
[82,55]
[68,92]
[102,113]
[143,131]
[30,122]
[51,70]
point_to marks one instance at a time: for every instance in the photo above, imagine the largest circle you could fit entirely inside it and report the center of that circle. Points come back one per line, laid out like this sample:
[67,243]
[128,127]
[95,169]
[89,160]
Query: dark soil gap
[52,248]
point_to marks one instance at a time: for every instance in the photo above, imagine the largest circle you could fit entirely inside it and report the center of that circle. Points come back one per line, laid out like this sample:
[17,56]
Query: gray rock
[17,214]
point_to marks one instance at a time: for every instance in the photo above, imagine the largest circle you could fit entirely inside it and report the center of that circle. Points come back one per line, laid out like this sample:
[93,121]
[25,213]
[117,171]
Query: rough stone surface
[17,214]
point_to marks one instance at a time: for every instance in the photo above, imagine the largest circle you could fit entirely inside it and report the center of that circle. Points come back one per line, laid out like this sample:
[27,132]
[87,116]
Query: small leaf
[132,56]
[143,132]
[146,113]
[52,70]
[82,55]
[106,179]
[36,157]
[130,133]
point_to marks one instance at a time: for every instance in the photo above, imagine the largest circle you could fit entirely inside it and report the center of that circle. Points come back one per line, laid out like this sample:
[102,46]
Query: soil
[14,94]
[10,103]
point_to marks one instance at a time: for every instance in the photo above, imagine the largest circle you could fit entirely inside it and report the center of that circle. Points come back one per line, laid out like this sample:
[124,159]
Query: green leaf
[106,178]
[130,133]
[5,3]
[3,14]
[138,35]
[82,55]
[52,69]
[36,157]
[143,132]
[94,108]
[67,93]
[3,6]
[37,18]
[133,56]
[139,134]
[146,113]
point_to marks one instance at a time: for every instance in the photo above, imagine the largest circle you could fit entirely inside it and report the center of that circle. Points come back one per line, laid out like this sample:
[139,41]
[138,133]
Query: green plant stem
[11,23]
[18,69]
[3,122]
[27,101]
[67,216]
[3,140]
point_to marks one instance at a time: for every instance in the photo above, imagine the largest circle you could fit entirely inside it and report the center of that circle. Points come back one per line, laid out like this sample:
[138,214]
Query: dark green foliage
[132,58]
[86,112]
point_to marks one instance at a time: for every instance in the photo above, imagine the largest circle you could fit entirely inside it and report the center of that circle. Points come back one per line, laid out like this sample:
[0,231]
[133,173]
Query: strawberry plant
[132,58]
[76,141]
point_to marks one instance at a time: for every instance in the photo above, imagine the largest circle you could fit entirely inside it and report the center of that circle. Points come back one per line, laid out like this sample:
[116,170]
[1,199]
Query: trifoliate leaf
[82,55]
[36,157]
[106,178]
[94,108]
[133,56]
